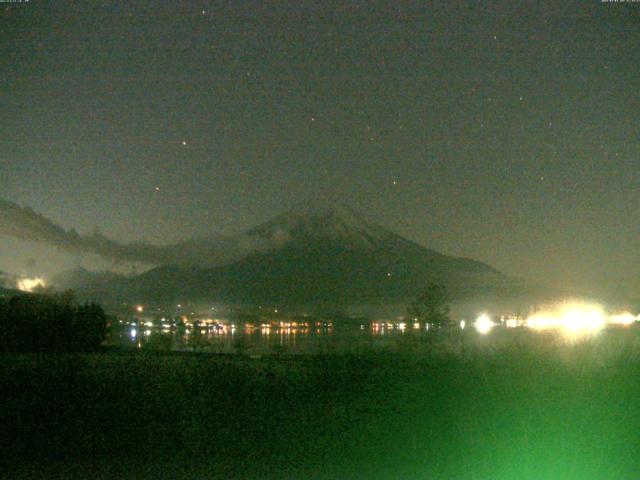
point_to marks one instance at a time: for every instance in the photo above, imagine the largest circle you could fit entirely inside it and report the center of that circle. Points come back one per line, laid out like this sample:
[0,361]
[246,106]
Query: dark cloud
[26,224]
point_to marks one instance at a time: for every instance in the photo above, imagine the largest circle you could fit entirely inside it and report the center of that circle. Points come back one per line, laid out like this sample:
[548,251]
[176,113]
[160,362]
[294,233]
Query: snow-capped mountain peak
[334,223]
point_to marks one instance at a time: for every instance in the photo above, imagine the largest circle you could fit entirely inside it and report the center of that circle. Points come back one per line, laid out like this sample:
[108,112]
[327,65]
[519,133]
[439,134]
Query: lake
[319,338]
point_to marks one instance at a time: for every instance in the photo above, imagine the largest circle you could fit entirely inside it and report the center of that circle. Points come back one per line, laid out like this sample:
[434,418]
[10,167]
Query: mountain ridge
[316,256]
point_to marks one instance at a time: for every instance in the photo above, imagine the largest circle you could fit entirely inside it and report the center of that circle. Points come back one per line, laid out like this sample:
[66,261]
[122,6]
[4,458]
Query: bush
[42,323]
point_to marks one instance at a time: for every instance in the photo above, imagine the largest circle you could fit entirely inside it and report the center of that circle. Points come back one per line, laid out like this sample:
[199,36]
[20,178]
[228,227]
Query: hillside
[318,256]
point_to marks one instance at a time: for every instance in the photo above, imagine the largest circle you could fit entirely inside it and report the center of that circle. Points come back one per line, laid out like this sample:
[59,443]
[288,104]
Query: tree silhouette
[41,323]
[431,305]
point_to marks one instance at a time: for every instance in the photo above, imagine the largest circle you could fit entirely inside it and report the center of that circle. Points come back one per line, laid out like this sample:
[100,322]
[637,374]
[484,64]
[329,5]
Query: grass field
[514,407]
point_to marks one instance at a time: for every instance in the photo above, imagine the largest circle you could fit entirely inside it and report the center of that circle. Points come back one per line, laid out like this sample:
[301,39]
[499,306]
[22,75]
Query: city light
[483,324]
[624,319]
[571,318]
[512,322]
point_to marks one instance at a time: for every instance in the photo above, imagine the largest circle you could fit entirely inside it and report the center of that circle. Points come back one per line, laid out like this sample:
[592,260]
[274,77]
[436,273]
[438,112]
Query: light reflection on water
[258,340]
[324,338]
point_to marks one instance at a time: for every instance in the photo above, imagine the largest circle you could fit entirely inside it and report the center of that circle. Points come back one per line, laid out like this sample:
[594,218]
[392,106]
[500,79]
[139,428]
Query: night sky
[505,131]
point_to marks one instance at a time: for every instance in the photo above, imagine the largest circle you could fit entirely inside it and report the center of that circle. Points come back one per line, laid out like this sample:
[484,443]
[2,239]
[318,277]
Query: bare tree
[431,305]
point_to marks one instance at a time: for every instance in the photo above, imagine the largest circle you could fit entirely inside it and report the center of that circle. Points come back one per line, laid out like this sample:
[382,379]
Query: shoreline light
[483,324]
[571,318]
[624,319]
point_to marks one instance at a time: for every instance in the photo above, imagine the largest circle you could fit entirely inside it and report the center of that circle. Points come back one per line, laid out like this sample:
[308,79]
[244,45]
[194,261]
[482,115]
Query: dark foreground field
[517,411]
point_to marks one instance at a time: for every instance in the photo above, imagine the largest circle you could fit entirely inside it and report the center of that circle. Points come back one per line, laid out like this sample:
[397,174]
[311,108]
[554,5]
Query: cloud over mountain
[26,224]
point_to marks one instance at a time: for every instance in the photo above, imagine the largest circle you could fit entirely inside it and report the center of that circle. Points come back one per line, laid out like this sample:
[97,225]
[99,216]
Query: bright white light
[139,309]
[511,323]
[30,284]
[584,319]
[572,318]
[463,324]
[133,333]
[542,321]
[624,318]
[483,324]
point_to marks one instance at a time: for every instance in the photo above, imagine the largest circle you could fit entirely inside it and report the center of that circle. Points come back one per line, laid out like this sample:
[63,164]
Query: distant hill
[315,256]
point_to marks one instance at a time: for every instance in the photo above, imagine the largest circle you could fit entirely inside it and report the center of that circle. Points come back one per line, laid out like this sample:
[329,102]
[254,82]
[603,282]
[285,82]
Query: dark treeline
[46,323]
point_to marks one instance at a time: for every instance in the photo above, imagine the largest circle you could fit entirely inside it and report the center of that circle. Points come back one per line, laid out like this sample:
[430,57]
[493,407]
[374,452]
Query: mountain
[317,256]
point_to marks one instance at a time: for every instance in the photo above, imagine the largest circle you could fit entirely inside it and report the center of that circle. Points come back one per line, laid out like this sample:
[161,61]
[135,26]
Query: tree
[431,305]
[89,326]
[42,323]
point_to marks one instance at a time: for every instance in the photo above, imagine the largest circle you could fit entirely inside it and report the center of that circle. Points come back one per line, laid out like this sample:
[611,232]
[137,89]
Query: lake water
[324,338]
[340,338]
